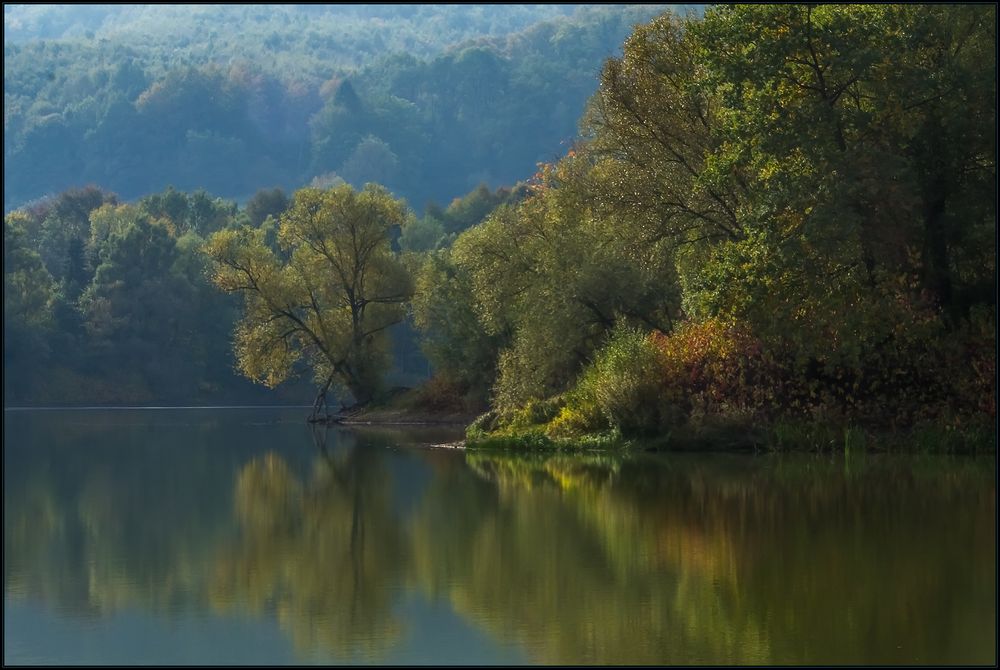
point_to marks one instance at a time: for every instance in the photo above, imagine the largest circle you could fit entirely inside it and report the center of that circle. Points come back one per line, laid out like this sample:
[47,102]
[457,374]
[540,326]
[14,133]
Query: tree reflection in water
[574,559]
[721,559]
[326,556]
[91,528]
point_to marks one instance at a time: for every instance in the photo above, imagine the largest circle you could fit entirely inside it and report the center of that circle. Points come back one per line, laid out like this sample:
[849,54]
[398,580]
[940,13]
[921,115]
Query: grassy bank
[735,435]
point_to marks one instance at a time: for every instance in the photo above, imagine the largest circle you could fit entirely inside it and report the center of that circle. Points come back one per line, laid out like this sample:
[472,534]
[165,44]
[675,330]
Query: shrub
[535,413]
[717,367]
[576,421]
[626,382]
[483,424]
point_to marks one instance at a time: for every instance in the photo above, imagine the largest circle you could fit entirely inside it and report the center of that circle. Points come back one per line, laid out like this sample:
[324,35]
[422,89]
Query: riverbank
[411,407]
[714,434]
[542,426]
[742,435]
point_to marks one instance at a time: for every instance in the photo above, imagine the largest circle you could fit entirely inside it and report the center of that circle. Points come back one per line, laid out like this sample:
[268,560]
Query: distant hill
[233,97]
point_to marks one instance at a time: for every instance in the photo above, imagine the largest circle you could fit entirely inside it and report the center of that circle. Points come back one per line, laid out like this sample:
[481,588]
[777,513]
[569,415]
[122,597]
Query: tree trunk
[321,402]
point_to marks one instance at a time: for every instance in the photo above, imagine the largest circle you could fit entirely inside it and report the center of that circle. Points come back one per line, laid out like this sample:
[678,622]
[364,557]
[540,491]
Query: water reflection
[90,528]
[326,556]
[733,560]
[571,559]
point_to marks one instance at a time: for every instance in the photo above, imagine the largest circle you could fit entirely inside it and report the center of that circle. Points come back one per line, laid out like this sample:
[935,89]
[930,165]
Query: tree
[170,204]
[207,214]
[326,298]
[139,313]
[29,294]
[453,338]
[64,229]
[864,141]
[551,277]
[265,203]
[421,234]
[371,161]
[108,220]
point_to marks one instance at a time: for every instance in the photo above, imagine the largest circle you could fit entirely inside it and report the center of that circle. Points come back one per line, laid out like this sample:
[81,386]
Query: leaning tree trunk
[320,402]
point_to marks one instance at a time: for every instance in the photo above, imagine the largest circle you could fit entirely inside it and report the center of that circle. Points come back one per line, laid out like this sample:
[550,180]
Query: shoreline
[722,436]
[718,436]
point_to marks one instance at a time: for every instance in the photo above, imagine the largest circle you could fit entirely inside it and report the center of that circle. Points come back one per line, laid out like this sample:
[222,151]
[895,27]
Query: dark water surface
[231,536]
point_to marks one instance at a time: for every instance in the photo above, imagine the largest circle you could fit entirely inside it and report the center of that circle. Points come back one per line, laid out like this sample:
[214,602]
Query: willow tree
[326,296]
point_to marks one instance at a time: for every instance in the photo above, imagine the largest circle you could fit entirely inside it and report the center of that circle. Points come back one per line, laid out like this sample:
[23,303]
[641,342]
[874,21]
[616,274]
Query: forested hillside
[428,101]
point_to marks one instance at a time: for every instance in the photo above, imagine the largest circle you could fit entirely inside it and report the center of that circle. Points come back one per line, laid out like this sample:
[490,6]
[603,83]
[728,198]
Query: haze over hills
[231,98]
[438,24]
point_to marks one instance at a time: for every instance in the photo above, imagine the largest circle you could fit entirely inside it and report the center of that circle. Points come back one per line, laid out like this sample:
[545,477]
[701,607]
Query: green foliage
[975,435]
[28,286]
[29,298]
[471,209]
[797,201]
[197,211]
[421,234]
[134,318]
[329,300]
[626,383]
[265,203]
[530,440]
[483,424]
[847,185]
[137,311]
[551,277]
[64,228]
[579,417]
[798,184]
[534,413]
[455,341]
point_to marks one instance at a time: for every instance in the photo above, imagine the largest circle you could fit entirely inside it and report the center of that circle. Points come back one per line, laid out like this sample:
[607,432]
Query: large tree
[325,296]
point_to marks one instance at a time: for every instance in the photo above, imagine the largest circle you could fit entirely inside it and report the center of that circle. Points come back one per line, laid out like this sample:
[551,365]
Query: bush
[576,421]
[626,382]
[714,367]
[714,382]
[535,413]
[483,424]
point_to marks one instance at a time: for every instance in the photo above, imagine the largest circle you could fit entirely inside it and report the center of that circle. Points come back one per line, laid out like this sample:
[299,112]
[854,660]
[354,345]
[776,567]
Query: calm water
[234,536]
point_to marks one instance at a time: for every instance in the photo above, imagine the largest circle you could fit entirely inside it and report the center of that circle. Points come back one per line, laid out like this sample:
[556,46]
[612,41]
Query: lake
[241,536]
